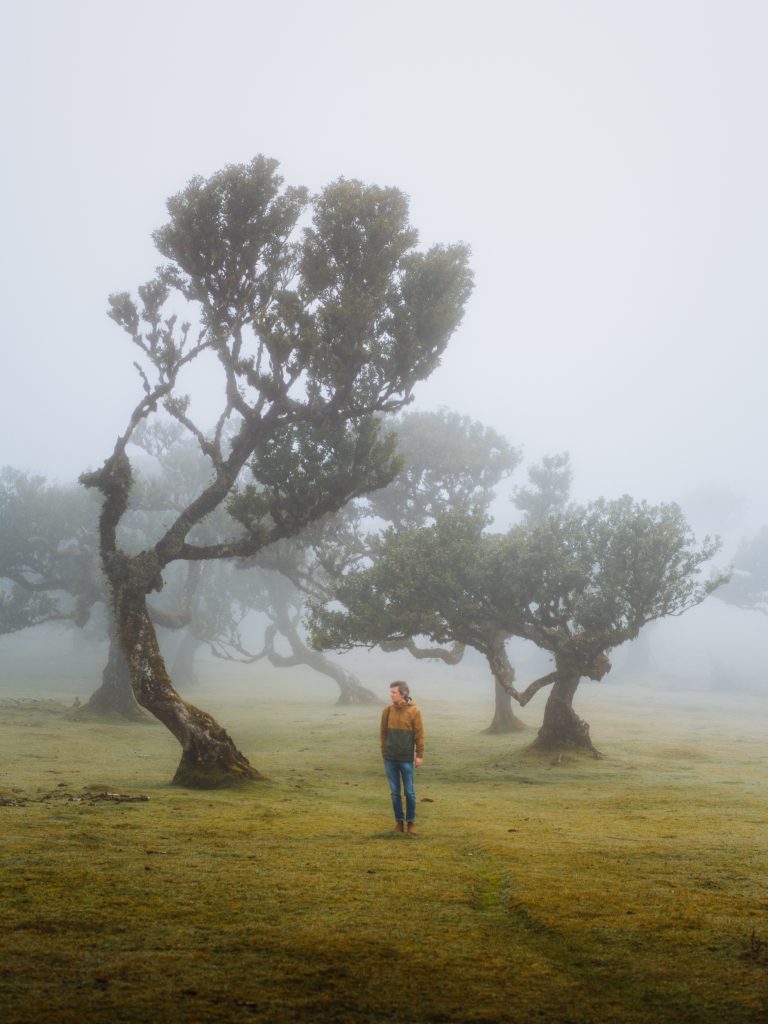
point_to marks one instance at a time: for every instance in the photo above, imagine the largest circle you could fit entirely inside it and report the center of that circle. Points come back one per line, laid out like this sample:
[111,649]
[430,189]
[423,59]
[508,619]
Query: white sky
[606,160]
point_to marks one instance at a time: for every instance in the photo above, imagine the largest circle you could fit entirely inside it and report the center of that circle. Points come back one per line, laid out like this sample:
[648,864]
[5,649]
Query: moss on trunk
[210,759]
[214,766]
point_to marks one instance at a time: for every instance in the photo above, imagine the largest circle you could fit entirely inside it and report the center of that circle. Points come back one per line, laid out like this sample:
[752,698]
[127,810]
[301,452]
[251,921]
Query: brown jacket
[402,732]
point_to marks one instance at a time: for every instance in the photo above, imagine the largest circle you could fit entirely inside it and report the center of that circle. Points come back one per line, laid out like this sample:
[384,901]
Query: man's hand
[419,762]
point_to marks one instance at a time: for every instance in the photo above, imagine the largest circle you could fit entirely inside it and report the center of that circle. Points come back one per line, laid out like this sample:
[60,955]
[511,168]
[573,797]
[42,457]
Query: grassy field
[631,889]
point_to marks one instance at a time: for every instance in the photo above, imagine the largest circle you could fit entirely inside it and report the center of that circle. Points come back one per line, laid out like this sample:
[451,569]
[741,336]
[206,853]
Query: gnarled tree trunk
[285,622]
[562,729]
[351,690]
[209,758]
[115,695]
[504,719]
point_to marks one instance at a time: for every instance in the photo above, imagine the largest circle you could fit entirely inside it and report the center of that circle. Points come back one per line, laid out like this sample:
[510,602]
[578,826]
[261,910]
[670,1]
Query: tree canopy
[577,582]
[48,552]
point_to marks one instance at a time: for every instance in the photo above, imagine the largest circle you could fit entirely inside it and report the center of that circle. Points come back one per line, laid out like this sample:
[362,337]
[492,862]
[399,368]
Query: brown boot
[411,829]
[398,826]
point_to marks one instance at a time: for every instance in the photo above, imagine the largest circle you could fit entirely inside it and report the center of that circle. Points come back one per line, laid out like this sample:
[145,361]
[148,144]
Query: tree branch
[534,687]
[450,656]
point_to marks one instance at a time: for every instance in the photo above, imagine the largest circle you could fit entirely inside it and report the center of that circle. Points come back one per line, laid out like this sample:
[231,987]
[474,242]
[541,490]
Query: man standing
[402,747]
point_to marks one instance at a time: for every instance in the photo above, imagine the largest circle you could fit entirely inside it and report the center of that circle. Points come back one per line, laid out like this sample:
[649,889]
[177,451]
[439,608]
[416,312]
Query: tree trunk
[504,718]
[209,757]
[115,695]
[351,690]
[562,729]
[183,668]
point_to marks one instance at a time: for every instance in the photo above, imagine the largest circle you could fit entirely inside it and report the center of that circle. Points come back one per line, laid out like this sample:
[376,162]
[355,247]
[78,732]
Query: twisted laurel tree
[318,314]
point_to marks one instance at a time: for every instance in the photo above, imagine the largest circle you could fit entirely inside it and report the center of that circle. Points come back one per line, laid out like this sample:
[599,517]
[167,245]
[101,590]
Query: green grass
[631,889]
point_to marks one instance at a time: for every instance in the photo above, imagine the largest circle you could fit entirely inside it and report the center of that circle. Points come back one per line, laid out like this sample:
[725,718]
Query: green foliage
[228,240]
[380,312]
[48,552]
[432,550]
[428,581]
[450,462]
[604,569]
[317,329]
[303,471]
[550,488]
[577,582]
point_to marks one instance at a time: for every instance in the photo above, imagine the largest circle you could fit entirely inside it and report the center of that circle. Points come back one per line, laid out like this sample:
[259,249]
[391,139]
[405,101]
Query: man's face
[395,696]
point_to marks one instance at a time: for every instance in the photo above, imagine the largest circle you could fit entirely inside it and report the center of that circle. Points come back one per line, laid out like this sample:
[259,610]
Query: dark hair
[402,687]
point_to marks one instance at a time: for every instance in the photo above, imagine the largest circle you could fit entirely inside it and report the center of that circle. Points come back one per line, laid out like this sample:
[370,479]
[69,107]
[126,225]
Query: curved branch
[6,628]
[534,687]
[450,656]
[223,649]
[210,448]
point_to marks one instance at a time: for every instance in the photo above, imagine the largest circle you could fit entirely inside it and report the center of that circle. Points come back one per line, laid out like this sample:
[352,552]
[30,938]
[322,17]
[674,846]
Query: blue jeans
[395,771]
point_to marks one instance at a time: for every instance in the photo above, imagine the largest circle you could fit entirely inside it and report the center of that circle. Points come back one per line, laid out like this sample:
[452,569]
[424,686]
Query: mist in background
[606,162]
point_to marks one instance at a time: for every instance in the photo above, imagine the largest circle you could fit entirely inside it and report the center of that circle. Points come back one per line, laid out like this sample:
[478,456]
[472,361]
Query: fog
[605,162]
[718,652]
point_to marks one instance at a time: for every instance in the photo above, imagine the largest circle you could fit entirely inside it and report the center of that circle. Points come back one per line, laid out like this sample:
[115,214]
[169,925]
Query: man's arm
[418,736]
[384,724]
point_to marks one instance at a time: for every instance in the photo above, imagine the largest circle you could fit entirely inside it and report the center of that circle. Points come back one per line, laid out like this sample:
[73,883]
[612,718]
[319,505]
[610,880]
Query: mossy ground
[631,889]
